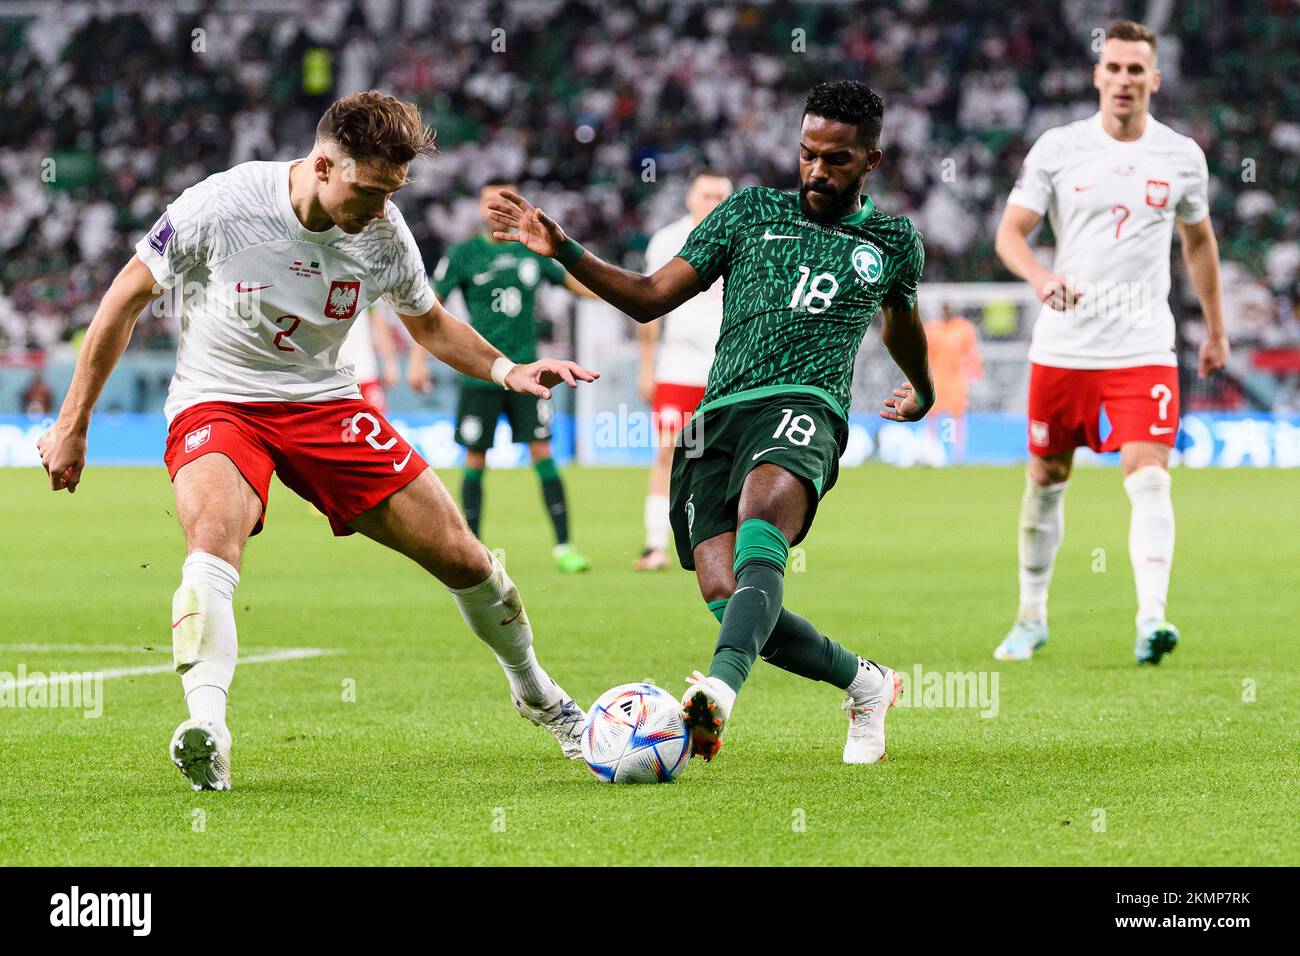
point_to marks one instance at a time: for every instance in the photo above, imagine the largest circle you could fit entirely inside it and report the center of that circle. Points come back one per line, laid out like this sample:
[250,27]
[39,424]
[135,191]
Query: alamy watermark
[82,691]
[951,689]
[626,427]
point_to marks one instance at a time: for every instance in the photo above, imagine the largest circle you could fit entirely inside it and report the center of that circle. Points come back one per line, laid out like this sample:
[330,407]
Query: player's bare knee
[716,588]
[217,541]
[1049,471]
[461,563]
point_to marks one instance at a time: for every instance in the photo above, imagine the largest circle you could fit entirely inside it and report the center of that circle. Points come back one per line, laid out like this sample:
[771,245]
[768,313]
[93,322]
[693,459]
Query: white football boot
[706,707]
[866,743]
[564,719]
[201,751]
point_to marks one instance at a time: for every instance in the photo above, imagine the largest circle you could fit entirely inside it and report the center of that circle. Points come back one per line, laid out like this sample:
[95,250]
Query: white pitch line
[104,648]
[288,654]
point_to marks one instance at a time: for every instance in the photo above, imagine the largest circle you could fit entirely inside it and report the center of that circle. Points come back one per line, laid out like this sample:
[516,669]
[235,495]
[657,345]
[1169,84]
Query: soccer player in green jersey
[804,275]
[499,281]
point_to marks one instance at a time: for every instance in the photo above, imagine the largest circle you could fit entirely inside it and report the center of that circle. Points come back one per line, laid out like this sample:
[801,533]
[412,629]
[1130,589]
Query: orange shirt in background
[954,362]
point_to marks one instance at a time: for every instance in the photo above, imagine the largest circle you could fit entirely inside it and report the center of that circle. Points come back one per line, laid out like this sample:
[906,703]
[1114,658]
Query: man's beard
[840,203]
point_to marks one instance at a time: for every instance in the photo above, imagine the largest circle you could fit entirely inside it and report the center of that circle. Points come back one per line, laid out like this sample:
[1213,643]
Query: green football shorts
[720,446]
[478,409]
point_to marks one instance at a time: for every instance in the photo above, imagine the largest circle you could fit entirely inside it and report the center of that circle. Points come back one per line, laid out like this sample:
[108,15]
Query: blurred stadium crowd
[602,110]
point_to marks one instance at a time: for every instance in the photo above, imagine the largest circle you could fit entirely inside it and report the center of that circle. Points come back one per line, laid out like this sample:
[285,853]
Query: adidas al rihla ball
[635,734]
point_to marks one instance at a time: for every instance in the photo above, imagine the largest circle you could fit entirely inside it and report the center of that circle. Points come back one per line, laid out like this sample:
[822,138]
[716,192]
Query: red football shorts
[672,407]
[342,456]
[1065,406]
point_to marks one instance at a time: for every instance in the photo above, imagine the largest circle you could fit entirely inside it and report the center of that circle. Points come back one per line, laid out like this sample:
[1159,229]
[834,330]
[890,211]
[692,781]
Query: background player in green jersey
[499,281]
[804,275]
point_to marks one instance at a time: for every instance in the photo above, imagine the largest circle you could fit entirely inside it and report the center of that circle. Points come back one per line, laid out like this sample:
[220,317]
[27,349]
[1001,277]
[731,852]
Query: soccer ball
[635,734]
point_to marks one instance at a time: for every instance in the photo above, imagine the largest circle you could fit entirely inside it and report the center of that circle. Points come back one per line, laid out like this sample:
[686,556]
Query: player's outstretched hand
[515,218]
[63,453]
[537,378]
[1213,356]
[903,405]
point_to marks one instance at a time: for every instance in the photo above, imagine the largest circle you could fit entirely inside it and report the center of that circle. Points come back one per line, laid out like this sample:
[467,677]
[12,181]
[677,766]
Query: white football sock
[1151,538]
[656,522]
[495,613]
[204,643]
[866,681]
[1042,525]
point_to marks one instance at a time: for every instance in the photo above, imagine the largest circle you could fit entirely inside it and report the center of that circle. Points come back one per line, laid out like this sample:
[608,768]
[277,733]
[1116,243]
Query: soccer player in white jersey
[1113,187]
[676,352]
[276,260]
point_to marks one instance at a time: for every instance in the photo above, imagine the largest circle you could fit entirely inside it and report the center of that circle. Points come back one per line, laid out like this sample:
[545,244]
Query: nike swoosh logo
[484,276]
[240,287]
[397,467]
[767,234]
[177,623]
[759,454]
[511,620]
[1160,431]
[1080,189]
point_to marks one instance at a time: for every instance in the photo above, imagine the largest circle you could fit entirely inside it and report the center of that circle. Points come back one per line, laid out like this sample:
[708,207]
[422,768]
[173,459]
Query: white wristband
[500,369]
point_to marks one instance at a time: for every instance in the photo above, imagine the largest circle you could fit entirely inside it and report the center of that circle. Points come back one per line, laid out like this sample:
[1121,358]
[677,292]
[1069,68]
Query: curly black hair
[848,101]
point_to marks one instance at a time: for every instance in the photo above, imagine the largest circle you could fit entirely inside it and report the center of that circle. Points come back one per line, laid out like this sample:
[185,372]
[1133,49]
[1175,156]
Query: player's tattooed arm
[457,344]
[1201,254]
[63,447]
[1012,247]
[642,297]
[904,337]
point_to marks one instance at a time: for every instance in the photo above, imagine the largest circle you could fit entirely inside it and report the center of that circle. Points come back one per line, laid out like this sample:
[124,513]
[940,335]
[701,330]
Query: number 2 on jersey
[285,333]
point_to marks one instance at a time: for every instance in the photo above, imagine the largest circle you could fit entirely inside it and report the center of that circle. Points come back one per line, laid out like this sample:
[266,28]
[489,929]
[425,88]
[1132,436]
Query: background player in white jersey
[371,353]
[1113,187]
[676,352]
[276,260]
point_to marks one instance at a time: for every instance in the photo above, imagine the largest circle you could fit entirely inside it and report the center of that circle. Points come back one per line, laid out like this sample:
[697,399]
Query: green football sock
[752,611]
[553,496]
[798,647]
[471,497]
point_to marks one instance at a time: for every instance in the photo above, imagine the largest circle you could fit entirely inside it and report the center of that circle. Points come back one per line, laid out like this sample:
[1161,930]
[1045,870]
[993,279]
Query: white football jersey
[357,353]
[266,303]
[690,332]
[1112,207]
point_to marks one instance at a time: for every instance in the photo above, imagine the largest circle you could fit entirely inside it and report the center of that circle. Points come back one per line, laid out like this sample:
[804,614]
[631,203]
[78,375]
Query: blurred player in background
[277,259]
[676,352]
[805,274]
[499,281]
[1113,187]
[371,353]
[955,363]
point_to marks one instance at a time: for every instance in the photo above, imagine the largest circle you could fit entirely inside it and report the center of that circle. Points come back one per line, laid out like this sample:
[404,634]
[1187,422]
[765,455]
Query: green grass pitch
[1090,760]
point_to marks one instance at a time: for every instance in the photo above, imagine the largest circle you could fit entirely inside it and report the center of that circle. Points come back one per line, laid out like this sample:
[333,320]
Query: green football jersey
[499,281]
[798,294]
